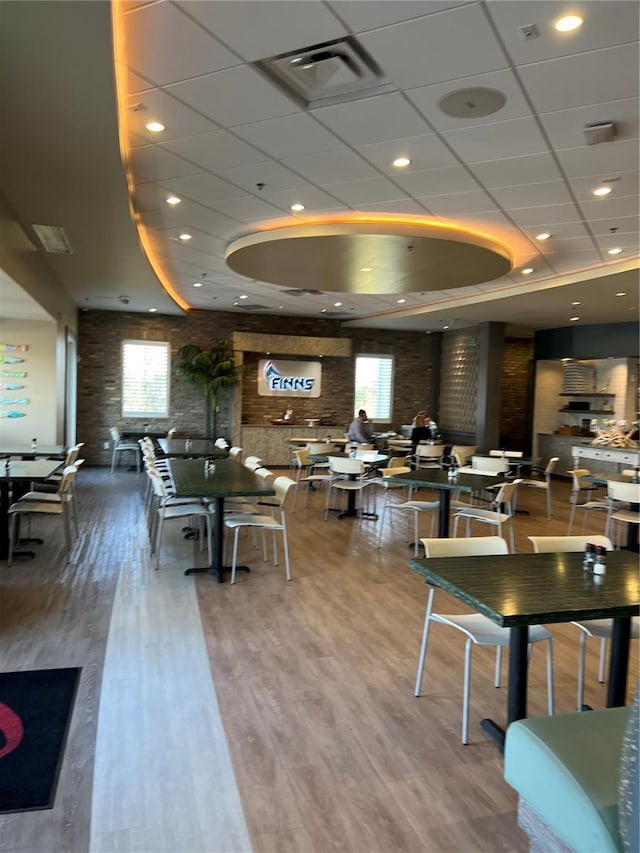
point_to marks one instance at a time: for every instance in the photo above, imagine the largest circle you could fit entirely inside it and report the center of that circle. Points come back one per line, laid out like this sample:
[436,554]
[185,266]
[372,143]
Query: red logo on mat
[12,729]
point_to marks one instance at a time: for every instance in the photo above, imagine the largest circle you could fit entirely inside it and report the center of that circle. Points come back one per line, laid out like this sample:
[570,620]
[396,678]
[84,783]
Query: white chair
[302,462]
[618,494]
[463,453]
[121,445]
[68,495]
[59,507]
[600,628]
[478,629]
[500,511]
[169,511]
[543,484]
[428,456]
[408,507]
[253,462]
[274,523]
[235,453]
[583,487]
[347,475]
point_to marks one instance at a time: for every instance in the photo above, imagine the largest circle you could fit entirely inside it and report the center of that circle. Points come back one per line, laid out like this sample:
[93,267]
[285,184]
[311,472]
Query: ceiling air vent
[326,73]
[53,239]
[254,307]
[302,291]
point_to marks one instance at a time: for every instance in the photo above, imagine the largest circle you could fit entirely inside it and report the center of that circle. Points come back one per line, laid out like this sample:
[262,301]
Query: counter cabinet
[271,443]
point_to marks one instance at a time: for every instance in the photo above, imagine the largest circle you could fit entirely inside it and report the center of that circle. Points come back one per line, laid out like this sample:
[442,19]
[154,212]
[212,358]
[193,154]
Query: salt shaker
[34,444]
[589,557]
[600,564]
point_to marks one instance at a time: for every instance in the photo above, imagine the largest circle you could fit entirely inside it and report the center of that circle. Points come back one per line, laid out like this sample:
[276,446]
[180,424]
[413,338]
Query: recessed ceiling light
[297,207]
[235,304]
[568,23]
[401,162]
[280,307]
[153,310]
[197,284]
[573,319]
[185,237]
[527,271]
[445,326]
[615,251]
[622,293]
[576,303]
[243,296]
[173,199]
[337,304]
[155,127]
[324,310]
[602,191]
[366,269]
[400,301]
[544,235]
[295,60]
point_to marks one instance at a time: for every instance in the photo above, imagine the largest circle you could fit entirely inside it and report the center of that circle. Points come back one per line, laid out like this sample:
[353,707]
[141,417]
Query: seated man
[361,429]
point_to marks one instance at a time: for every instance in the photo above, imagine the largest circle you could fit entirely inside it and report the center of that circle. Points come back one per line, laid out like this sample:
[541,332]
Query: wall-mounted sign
[289,378]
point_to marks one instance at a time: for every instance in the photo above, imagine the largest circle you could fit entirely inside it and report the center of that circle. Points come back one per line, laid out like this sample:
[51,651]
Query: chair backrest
[263,473]
[115,433]
[429,451]
[555,544]
[462,452]
[252,462]
[66,483]
[551,464]
[505,496]
[490,463]
[282,485]
[344,465]
[320,448]
[397,462]
[507,454]
[222,443]
[302,457]
[628,492]
[468,546]
[235,453]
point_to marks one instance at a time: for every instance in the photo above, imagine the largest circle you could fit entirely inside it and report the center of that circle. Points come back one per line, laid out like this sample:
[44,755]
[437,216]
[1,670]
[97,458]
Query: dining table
[28,452]
[228,479]
[15,480]
[601,479]
[438,479]
[518,590]
[192,448]
[371,460]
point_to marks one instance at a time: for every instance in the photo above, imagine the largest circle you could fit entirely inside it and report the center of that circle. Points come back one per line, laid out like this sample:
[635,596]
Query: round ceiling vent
[472,103]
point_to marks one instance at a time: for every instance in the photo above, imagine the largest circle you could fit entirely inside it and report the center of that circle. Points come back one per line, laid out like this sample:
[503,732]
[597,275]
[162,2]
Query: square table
[229,479]
[192,448]
[518,590]
[438,479]
[26,451]
[19,473]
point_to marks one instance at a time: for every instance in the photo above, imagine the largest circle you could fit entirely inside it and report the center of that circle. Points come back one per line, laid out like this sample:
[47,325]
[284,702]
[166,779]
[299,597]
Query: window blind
[374,385]
[145,379]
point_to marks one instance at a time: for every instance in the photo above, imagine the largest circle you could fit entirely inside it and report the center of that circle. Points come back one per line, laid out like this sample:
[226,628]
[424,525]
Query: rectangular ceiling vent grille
[254,307]
[302,291]
[328,73]
[53,239]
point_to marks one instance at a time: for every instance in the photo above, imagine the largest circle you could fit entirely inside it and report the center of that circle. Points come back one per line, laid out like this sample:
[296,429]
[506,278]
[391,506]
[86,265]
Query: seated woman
[421,429]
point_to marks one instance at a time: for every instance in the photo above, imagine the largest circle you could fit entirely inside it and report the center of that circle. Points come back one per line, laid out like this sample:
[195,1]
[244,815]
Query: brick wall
[101,333]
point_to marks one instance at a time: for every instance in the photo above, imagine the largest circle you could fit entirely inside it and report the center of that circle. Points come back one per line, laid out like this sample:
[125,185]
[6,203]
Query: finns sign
[289,378]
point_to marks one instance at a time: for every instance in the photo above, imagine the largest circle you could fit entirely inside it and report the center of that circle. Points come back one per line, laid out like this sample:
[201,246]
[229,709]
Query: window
[145,379]
[374,385]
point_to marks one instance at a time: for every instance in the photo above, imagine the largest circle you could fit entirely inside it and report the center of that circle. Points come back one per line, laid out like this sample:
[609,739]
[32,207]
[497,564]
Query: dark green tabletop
[438,478]
[602,479]
[29,469]
[230,479]
[194,447]
[531,589]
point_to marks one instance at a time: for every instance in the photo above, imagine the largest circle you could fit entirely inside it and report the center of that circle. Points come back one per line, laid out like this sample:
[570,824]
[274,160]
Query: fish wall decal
[11,402]
[12,414]
[13,374]
[11,386]
[10,360]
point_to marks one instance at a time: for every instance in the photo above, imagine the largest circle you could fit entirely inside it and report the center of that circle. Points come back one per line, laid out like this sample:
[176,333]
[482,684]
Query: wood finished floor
[319,744]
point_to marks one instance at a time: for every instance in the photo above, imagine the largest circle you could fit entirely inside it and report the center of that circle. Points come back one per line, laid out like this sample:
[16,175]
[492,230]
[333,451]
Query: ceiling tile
[542,193]
[192,51]
[205,188]
[559,84]
[235,96]
[156,105]
[545,215]
[357,193]
[403,206]
[565,128]
[626,186]
[558,230]
[607,159]
[511,138]
[154,164]
[249,208]
[257,29]
[427,98]
[362,15]
[376,119]
[565,246]
[514,170]
[624,224]
[602,27]
[464,203]
[455,179]
[425,152]
[312,198]
[215,150]
[273,175]
[574,262]
[613,208]
[451,44]
[289,135]
[331,167]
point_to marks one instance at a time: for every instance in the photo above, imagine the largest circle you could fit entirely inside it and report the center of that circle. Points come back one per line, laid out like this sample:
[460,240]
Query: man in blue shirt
[361,429]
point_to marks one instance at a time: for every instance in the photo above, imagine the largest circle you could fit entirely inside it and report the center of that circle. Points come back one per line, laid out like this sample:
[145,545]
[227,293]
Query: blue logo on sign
[277,382]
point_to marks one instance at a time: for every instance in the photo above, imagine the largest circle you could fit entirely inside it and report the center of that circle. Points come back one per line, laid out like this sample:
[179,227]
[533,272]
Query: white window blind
[374,385]
[145,379]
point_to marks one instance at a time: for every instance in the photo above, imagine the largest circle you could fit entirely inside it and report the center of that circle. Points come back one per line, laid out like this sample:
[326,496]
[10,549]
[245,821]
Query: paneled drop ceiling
[238,151]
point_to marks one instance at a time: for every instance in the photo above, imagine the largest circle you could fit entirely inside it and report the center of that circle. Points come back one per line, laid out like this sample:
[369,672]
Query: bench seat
[565,769]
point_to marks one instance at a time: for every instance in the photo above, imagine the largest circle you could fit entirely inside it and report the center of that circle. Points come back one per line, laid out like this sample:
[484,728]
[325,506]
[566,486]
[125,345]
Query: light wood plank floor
[265,716]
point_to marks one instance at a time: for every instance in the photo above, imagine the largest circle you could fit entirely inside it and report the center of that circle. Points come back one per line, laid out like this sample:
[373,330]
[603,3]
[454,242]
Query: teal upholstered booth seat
[566,771]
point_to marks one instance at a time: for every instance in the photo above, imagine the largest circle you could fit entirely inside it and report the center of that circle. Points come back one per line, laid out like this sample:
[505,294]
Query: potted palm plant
[212,370]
